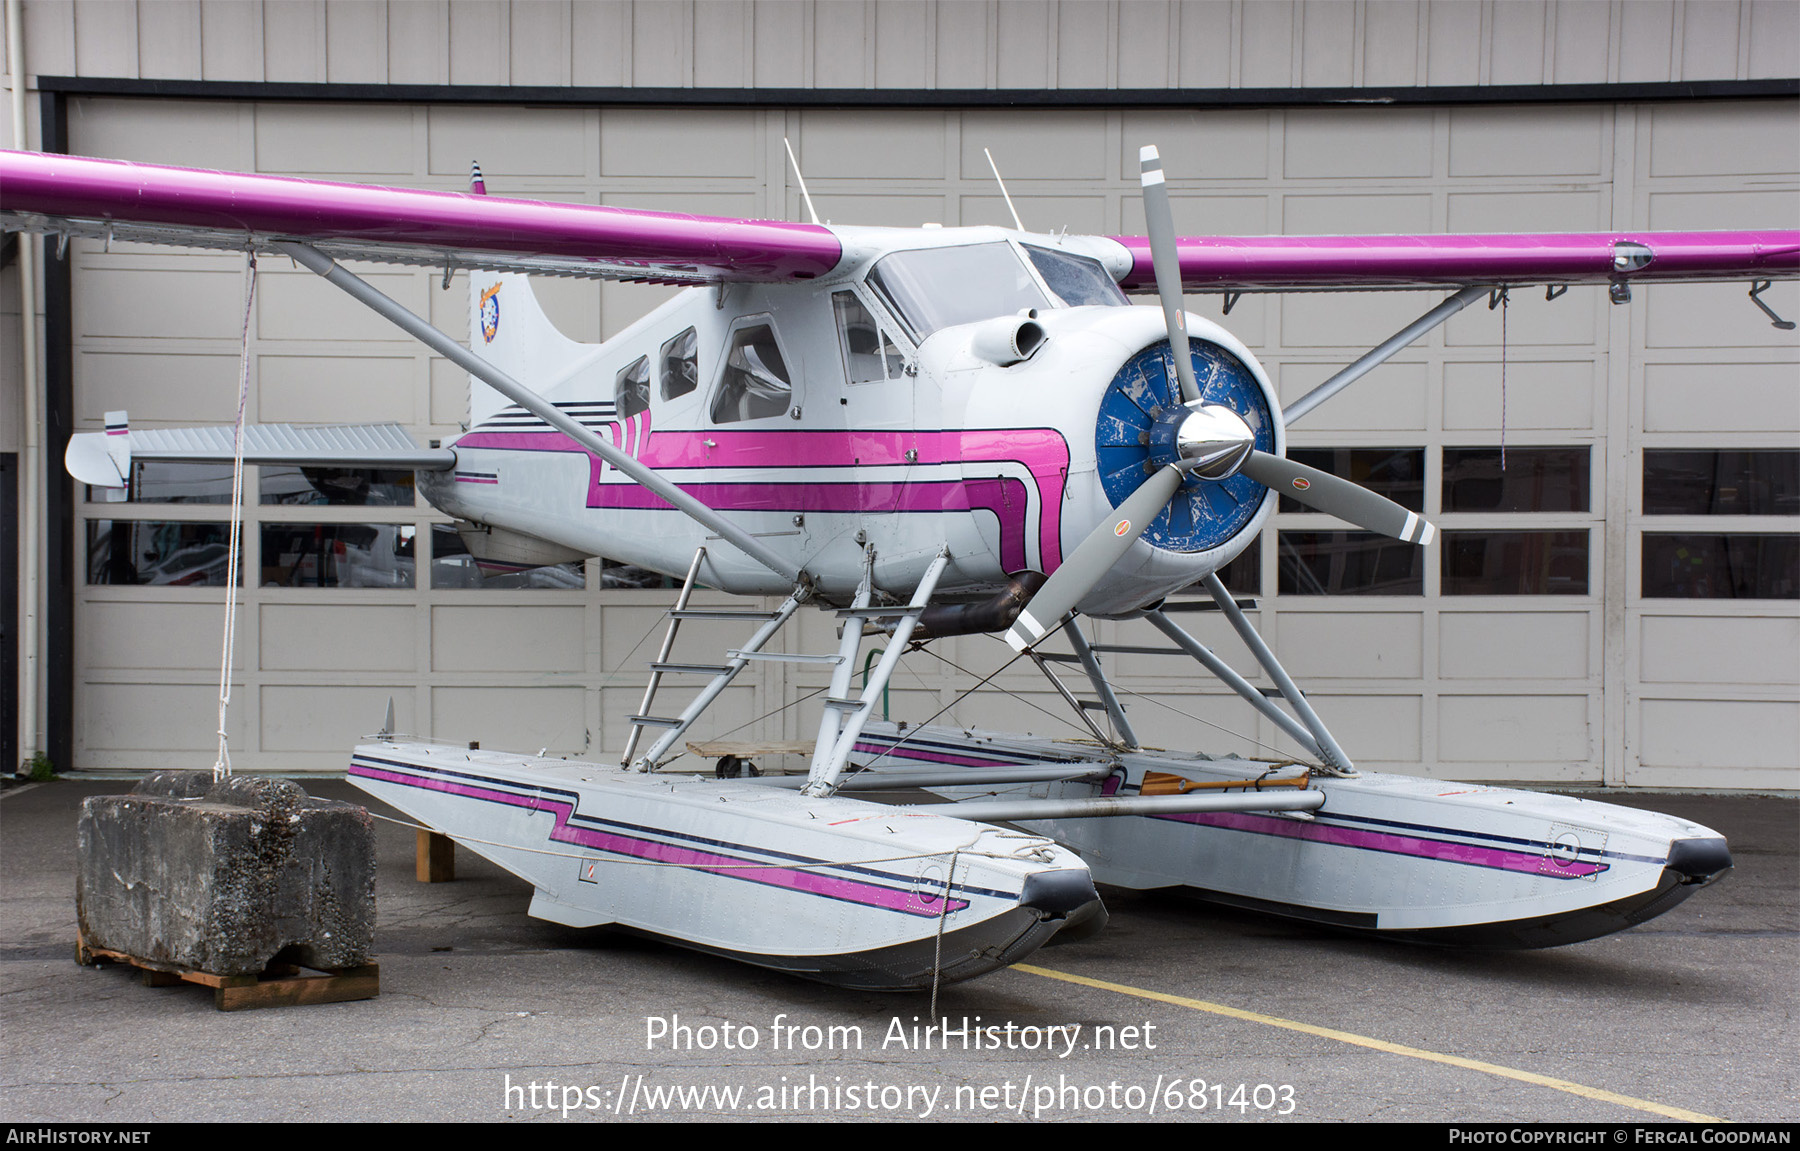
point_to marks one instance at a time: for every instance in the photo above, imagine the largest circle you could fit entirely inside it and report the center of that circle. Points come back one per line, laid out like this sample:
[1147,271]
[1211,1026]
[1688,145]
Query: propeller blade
[1093,558]
[1352,503]
[1159,222]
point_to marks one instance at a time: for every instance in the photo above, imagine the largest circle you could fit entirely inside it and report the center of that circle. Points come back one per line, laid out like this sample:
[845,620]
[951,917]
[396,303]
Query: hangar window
[1482,479]
[360,487]
[1347,563]
[158,553]
[453,567]
[154,482]
[1721,565]
[1514,562]
[1753,482]
[1703,562]
[337,555]
[1397,473]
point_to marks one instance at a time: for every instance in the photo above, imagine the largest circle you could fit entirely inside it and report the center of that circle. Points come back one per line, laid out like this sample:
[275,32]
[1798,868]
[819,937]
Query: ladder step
[1130,649]
[720,613]
[1060,656]
[785,657]
[876,612]
[843,704]
[1091,705]
[691,668]
[654,721]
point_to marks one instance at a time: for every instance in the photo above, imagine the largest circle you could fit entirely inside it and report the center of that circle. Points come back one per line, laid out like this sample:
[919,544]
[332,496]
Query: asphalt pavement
[1178,1010]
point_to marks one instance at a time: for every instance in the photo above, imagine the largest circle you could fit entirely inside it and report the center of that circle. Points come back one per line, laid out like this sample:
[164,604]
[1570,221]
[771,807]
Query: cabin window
[934,288]
[756,383]
[680,365]
[631,391]
[869,354]
[1075,280]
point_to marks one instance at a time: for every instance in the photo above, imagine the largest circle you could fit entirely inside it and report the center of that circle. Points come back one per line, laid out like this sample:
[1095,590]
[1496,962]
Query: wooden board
[280,985]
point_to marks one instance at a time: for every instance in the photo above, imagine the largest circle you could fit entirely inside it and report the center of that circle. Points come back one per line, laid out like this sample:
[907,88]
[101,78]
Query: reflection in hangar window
[1397,473]
[1347,563]
[680,365]
[1521,480]
[1710,482]
[631,391]
[453,567]
[157,552]
[1514,563]
[154,482]
[337,555]
[1720,565]
[362,487]
[756,383]
[869,355]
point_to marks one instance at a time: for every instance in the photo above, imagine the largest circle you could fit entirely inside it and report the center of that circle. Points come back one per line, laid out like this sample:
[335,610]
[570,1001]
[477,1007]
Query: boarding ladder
[674,727]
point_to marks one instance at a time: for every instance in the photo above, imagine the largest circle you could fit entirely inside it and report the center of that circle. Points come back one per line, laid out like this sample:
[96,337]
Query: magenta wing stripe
[216,203]
[1275,262]
[632,847]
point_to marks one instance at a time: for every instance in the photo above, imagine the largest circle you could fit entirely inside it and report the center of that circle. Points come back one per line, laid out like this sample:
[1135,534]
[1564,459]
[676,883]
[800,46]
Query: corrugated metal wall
[1599,685]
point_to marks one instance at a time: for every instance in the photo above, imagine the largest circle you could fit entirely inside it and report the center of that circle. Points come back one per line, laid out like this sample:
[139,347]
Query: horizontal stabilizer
[92,457]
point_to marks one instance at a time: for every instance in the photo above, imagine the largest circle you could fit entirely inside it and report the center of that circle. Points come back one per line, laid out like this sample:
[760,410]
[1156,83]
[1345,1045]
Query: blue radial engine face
[1204,513]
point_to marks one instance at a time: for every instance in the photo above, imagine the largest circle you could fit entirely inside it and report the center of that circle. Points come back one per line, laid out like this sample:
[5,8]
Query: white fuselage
[851,428]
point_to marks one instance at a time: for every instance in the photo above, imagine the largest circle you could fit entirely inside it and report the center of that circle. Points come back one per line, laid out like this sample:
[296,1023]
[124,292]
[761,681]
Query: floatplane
[929,432]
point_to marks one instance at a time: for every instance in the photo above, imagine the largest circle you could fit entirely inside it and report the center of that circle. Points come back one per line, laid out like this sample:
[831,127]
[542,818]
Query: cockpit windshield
[1078,280]
[934,288]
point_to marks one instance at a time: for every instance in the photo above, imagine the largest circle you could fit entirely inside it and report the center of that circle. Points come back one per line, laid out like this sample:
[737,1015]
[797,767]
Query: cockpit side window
[1076,280]
[869,353]
[680,365]
[755,383]
[631,390]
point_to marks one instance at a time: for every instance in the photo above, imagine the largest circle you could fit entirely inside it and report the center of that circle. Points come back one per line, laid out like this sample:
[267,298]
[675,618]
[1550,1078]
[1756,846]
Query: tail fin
[508,329]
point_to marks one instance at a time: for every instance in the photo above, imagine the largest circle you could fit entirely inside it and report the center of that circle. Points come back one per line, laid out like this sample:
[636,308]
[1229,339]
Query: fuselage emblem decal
[490,313]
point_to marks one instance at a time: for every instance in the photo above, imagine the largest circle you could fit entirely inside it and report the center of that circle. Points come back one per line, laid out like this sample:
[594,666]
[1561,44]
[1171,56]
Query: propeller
[1209,441]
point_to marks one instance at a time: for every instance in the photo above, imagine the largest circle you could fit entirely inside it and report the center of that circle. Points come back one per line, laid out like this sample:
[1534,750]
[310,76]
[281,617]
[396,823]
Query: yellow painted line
[1646,1105]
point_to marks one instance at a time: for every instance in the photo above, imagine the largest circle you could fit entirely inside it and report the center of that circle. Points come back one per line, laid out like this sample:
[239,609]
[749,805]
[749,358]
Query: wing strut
[1379,354]
[443,345]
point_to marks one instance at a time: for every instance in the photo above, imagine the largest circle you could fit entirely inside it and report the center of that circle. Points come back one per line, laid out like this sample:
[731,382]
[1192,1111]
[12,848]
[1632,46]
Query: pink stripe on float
[805,882]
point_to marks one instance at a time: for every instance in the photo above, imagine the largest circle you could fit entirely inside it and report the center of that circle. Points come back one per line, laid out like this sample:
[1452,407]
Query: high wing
[131,201]
[1323,263]
[146,202]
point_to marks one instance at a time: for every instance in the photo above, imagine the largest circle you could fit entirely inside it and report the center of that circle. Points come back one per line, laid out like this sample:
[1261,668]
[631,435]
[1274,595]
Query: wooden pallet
[279,985]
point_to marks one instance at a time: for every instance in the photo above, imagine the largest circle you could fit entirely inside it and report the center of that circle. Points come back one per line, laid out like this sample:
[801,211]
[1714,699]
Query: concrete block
[189,873]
